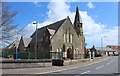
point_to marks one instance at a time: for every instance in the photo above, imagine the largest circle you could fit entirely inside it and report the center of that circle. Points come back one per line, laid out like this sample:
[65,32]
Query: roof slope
[40,33]
[104,49]
[13,44]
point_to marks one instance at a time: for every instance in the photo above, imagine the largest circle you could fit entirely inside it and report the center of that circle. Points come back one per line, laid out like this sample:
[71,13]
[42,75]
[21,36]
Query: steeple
[77,20]
[78,23]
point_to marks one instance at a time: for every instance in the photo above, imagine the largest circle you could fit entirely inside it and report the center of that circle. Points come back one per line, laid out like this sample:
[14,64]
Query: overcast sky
[99,18]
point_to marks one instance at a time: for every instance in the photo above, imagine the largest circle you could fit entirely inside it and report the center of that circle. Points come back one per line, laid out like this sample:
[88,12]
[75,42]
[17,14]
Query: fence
[26,55]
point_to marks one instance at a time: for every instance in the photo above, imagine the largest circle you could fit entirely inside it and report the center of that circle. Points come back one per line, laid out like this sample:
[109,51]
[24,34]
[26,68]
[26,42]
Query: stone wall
[58,39]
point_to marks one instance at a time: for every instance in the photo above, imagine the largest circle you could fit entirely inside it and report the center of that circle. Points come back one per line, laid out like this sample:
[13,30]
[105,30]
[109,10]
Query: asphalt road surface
[108,66]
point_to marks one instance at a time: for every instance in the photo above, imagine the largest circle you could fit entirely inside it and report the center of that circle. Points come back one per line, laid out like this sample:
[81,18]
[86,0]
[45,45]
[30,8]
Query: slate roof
[52,28]
[26,41]
[13,44]
[114,47]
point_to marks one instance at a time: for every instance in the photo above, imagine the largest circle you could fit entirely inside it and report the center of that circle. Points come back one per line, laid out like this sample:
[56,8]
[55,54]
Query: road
[107,66]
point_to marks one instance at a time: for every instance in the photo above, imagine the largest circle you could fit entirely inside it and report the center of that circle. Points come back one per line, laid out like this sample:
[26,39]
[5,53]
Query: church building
[60,40]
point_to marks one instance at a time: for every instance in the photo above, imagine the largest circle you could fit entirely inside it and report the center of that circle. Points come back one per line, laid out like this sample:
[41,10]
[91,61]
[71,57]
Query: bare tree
[8,28]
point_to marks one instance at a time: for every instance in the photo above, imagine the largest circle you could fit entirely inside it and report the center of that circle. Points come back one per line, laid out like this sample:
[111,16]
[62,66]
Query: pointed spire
[77,17]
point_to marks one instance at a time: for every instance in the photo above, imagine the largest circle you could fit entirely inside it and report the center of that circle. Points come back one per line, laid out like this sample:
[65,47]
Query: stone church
[60,40]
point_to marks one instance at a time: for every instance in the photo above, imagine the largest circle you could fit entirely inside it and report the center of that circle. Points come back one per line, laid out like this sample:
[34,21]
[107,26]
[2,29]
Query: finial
[77,5]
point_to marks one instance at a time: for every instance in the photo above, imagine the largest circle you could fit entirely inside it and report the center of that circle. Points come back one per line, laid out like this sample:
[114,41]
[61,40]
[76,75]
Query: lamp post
[102,44]
[17,45]
[35,40]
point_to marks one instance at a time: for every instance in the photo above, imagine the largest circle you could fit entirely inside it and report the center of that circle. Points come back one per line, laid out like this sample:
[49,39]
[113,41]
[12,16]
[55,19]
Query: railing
[26,55]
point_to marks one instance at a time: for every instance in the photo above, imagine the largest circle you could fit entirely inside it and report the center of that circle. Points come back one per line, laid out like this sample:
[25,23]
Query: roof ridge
[52,23]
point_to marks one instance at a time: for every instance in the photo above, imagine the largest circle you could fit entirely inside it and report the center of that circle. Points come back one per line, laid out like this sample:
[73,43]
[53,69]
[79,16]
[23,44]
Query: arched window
[70,38]
[57,50]
[64,37]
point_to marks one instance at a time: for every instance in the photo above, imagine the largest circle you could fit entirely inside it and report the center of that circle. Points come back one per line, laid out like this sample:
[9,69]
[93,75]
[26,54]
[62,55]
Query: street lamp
[35,40]
[102,44]
[17,44]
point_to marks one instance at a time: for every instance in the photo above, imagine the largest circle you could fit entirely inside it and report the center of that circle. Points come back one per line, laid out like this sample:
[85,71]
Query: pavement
[106,66]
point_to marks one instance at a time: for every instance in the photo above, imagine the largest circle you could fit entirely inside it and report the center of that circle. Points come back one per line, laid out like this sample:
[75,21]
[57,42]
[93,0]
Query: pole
[102,46]
[36,42]
[3,48]
[17,46]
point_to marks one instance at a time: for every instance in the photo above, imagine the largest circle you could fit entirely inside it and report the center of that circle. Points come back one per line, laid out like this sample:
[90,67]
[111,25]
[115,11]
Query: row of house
[108,50]
[21,45]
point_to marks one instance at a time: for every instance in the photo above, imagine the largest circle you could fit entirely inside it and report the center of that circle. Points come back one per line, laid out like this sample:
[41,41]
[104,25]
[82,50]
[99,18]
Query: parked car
[116,54]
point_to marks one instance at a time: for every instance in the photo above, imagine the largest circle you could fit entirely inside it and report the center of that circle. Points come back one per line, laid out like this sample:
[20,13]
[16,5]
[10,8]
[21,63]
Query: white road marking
[110,62]
[100,67]
[85,72]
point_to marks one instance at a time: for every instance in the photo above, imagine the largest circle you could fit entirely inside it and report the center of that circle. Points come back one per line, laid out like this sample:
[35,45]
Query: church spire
[77,17]
[78,23]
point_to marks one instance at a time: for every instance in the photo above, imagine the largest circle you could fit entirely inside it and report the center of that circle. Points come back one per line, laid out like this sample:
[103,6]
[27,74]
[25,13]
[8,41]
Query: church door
[68,53]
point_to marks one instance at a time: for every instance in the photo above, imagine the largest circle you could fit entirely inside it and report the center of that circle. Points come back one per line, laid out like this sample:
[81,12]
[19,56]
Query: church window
[64,37]
[67,37]
[70,38]
[57,50]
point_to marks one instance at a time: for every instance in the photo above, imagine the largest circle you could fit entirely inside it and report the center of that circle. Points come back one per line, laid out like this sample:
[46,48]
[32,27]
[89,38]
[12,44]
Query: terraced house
[60,40]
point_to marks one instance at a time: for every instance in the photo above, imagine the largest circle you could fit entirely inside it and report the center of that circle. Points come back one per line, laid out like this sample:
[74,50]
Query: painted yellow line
[73,67]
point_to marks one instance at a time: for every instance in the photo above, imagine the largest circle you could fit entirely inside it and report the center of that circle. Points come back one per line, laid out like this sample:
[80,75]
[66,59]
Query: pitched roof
[115,47]
[13,44]
[52,30]
[26,41]
[104,49]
